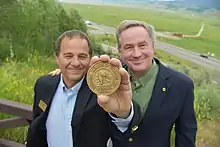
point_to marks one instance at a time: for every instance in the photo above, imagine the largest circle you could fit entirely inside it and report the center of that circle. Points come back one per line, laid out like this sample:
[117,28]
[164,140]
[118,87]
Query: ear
[119,50]
[153,45]
[57,60]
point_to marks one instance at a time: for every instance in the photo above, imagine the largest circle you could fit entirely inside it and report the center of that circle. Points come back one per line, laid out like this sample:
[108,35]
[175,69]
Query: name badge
[42,105]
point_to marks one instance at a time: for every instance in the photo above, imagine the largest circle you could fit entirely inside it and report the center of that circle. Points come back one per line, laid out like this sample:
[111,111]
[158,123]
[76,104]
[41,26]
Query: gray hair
[124,25]
[70,34]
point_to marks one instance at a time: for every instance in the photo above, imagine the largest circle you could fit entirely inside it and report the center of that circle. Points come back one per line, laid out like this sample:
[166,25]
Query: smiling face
[73,59]
[136,49]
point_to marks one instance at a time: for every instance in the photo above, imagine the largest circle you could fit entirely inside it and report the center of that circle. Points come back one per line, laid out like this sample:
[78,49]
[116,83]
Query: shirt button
[130,139]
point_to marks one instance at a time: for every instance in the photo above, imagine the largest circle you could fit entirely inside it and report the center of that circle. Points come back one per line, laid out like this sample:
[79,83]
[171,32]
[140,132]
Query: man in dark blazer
[66,113]
[165,96]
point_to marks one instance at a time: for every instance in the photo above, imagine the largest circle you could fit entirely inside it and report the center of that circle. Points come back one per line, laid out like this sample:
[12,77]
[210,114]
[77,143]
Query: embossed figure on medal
[103,78]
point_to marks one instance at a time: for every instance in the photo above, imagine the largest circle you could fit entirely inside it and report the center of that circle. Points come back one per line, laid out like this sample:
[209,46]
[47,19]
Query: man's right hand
[54,72]
[118,103]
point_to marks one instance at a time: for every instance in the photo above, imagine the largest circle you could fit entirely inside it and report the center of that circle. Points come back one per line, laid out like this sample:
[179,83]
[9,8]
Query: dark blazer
[91,122]
[171,103]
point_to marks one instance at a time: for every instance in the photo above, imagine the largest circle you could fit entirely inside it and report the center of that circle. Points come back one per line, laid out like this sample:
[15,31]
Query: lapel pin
[134,128]
[164,89]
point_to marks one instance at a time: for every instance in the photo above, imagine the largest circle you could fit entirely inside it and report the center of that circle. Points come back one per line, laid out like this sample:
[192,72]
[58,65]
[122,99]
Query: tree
[33,26]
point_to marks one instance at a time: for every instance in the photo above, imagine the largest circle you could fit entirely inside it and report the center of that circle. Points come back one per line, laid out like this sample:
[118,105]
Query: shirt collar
[143,80]
[74,88]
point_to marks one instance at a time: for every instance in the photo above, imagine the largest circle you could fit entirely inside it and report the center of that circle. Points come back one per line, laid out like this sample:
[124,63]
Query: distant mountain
[191,5]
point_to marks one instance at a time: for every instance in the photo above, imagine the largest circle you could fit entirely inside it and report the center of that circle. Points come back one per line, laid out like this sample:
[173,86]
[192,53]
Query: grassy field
[110,39]
[163,21]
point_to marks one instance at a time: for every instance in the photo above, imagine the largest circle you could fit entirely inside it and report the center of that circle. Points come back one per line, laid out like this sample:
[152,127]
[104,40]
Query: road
[168,48]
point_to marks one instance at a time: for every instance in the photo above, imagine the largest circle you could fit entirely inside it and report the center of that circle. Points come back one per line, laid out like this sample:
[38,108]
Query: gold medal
[103,78]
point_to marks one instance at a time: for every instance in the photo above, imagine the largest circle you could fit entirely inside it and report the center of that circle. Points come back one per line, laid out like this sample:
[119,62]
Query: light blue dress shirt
[58,124]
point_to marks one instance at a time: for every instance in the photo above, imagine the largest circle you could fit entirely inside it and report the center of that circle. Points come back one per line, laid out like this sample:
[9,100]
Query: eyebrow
[83,54]
[138,43]
[143,42]
[67,53]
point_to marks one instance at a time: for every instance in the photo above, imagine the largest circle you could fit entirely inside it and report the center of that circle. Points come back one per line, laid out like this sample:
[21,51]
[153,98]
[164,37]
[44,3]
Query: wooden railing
[23,113]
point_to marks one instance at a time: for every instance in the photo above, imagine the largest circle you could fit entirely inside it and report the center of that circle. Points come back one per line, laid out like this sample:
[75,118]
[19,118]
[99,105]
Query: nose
[75,61]
[136,52]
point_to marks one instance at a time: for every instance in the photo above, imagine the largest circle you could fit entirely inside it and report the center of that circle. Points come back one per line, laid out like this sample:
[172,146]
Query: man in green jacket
[165,96]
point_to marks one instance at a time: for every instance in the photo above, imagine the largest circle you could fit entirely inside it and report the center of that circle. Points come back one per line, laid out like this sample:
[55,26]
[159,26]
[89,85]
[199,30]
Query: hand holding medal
[111,83]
